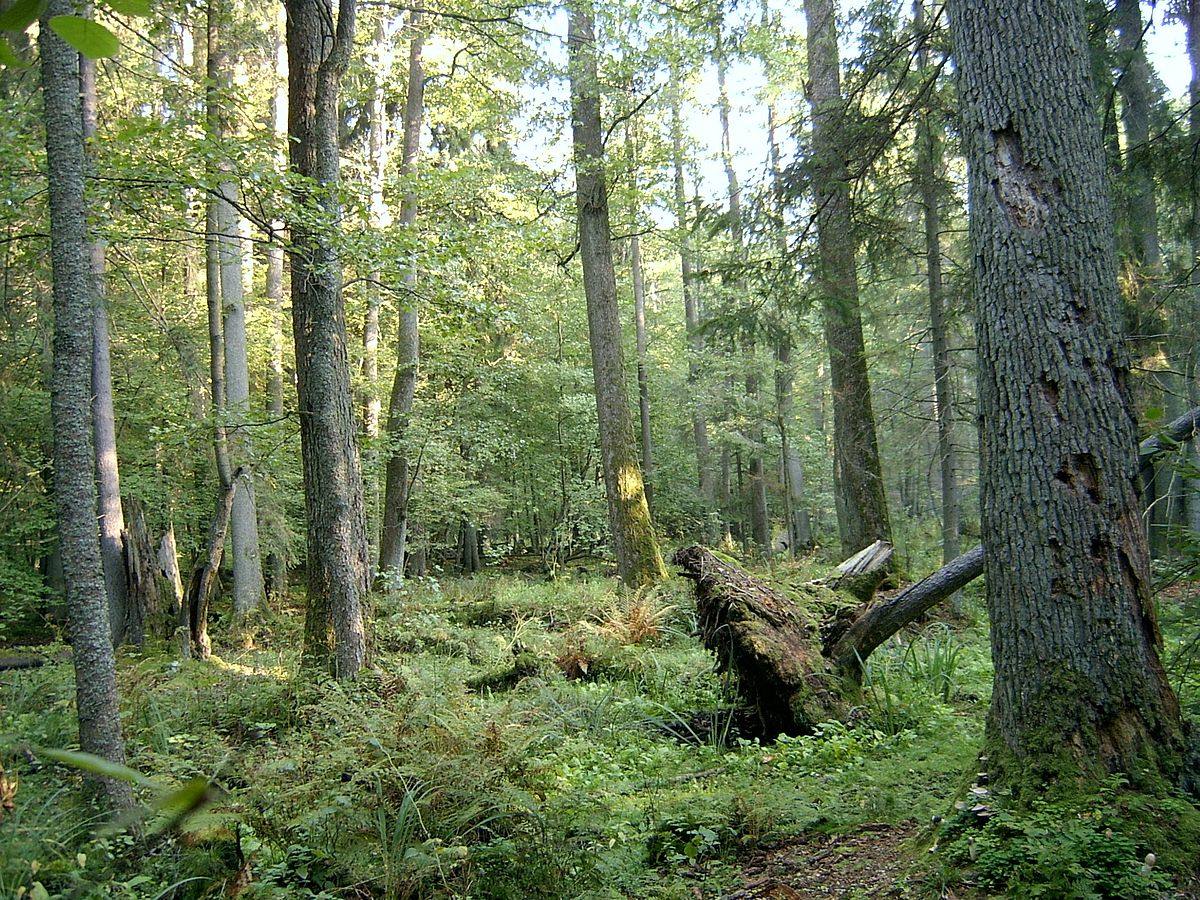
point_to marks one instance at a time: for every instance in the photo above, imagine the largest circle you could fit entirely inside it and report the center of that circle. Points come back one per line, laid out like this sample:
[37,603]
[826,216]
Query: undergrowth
[513,738]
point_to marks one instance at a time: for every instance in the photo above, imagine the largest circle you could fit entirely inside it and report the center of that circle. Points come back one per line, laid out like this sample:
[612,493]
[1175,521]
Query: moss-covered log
[767,640]
[793,670]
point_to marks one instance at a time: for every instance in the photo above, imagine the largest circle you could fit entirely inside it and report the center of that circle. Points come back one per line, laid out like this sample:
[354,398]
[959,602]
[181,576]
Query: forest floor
[513,738]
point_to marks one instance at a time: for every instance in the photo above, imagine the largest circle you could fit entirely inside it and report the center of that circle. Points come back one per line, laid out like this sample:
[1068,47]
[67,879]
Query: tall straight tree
[799,523]
[104,424]
[1192,10]
[858,478]
[928,159]
[393,542]
[336,534]
[1067,562]
[71,407]
[243,522]
[275,575]
[691,302]
[632,533]
[756,488]
[639,320]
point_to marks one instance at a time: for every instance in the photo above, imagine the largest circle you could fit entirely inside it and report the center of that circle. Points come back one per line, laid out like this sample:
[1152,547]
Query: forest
[599,449]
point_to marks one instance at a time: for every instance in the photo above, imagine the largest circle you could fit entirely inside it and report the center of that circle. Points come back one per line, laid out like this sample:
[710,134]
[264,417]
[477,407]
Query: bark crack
[1023,191]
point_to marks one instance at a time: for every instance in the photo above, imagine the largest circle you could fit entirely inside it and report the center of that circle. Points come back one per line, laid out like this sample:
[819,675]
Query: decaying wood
[873,623]
[144,605]
[194,613]
[862,573]
[766,640]
[792,671]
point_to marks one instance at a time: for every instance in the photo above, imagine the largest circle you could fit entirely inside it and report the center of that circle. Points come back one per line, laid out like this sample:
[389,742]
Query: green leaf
[39,892]
[129,7]
[96,765]
[90,38]
[21,15]
[8,56]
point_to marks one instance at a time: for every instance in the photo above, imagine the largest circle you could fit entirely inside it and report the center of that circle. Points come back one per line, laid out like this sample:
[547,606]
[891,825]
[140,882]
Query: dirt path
[865,863]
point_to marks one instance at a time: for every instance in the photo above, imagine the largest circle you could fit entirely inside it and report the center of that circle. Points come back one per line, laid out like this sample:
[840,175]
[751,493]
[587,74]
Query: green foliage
[407,783]
[1108,844]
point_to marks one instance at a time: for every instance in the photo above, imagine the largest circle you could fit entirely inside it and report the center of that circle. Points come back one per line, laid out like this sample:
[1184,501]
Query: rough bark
[145,601]
[928,159]
[104,422]
[691,303]
[336,534]
[397,479]
[71,408]
[1067,562]
[858,480]
[632,533]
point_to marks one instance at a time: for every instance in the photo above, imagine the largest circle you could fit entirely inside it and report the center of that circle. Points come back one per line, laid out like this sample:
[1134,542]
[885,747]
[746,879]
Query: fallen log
[797,673]
[767,641]
[1178,431]
[793,670]
[874,623]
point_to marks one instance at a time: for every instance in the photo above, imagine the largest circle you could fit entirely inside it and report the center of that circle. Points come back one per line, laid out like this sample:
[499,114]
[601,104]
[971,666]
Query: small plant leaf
[21,15]
[96,765]
[8,56]
[90,38]
[129,7]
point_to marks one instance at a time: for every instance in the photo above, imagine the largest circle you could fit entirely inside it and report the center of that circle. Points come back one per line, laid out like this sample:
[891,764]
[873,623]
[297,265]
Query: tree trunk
[247,564]
[194,610]
[1134,88]
[928,158]
[212,258]
[71,408]
[634,542]
[799,525]
[639,322]
[691,305]
[104,424]
[170,581]
[145,602]
[337,551]
[1192,494]
[397,480]
[275,576]
[858,478]
[1066,556]
[760,527]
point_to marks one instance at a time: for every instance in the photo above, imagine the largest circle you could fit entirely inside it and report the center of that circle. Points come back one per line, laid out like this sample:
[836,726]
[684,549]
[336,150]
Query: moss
[1063,748]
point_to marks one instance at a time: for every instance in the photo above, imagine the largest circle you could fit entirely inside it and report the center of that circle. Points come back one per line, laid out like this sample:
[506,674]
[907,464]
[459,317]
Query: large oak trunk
[1079,688]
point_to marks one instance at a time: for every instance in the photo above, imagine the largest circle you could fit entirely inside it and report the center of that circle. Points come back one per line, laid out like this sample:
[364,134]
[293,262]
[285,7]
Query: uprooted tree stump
[794,671]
